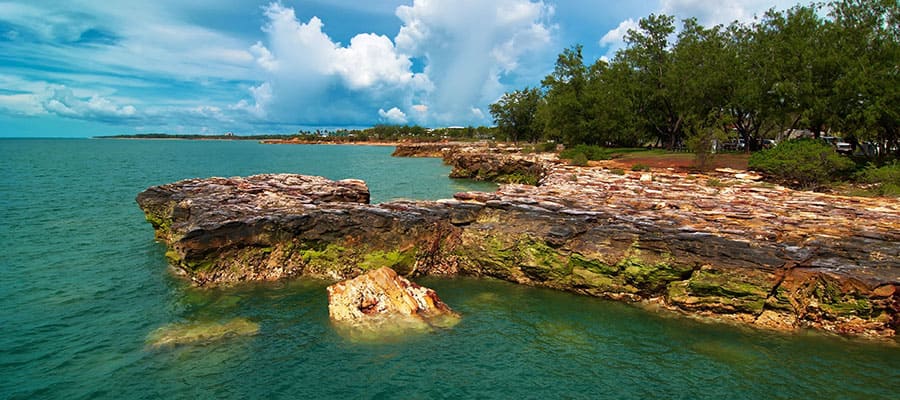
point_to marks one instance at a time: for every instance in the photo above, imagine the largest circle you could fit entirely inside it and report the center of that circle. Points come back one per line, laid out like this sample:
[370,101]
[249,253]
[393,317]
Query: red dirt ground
[678,161]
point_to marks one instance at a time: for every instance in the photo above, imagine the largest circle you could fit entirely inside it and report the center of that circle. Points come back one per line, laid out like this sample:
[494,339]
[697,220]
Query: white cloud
[31,98]
[466,47]
[394,115]
[264,57]
[372,59]
[147,56]
[66,104]
[262,96]
[615,39]
[477,113]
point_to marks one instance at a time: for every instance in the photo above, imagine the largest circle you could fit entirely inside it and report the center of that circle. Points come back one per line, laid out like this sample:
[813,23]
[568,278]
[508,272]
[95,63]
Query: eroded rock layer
[738,249]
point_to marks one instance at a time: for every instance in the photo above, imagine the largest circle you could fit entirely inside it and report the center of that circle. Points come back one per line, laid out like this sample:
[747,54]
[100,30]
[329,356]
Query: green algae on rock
[200,332]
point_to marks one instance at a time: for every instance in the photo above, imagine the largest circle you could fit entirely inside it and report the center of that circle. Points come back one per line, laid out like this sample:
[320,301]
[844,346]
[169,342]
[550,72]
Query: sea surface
[83,286]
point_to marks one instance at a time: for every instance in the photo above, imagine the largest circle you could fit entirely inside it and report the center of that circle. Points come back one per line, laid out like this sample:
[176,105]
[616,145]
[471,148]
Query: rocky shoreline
[738,250]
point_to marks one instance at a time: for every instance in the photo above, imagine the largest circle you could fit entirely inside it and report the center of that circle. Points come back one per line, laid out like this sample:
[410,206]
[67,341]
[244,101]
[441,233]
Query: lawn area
[657,158]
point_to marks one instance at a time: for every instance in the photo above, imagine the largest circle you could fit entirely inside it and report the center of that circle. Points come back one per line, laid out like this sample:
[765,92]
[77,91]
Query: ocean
[83,286]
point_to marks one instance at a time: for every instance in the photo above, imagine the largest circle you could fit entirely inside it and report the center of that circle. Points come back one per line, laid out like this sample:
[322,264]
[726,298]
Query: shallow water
[83,286]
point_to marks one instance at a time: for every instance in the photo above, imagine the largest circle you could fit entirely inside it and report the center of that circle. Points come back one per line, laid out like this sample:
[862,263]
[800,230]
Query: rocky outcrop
[381,300]
[426,150]
[736,249]
[481,162]
[194,204]
[497,165]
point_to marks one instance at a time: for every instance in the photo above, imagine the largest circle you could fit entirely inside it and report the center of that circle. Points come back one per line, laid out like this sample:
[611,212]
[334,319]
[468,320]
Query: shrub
[545,147]
[886,179]
[617,171]
[589,151]
[580,160]
[804,164]
[519,178]
[640,167]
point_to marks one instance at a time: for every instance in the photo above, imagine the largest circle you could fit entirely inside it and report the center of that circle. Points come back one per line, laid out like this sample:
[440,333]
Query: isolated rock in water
[201,332]
[381,300]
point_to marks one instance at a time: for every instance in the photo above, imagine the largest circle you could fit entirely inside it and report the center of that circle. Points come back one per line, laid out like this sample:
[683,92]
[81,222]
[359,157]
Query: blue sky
[88,67]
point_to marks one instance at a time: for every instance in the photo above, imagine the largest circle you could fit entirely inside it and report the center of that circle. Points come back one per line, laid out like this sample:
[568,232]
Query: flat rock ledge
[737,250]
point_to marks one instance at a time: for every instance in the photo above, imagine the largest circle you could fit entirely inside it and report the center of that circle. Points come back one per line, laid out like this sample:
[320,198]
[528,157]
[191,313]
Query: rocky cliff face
[740,250]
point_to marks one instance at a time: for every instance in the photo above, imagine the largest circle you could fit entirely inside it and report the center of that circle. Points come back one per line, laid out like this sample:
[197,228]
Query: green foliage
[399,261]
[545,147]
[589,151]
[580,160]
[886,179]
[518,178]
[515,114]
[563,111]
[640,167]
[704,135]
[617,171]
[804,164]
[825,66]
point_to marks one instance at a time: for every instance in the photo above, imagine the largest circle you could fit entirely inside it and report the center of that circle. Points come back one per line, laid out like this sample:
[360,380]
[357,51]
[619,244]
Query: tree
[699,72]
[647,54]
[804,67]
[563,111]
[610,116]
[867,36]
[749,79]
[515,114]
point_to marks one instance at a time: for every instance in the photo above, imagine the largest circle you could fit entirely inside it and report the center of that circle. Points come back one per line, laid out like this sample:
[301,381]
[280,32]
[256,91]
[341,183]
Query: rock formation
[481,162]
[739,249]
[380,299]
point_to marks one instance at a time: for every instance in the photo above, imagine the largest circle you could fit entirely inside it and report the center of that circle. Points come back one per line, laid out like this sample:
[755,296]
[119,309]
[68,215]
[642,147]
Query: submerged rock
[381,304]
[200,332]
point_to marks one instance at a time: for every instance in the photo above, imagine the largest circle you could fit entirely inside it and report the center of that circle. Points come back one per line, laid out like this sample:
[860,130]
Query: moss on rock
[723,291]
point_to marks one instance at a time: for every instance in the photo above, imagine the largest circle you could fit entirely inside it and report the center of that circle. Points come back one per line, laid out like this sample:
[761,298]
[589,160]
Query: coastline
[758,254]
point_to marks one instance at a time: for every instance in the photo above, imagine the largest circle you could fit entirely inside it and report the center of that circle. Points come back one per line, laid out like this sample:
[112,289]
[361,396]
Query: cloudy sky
[91,67]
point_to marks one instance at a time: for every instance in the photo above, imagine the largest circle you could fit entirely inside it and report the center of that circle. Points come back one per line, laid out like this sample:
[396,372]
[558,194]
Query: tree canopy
[832,68]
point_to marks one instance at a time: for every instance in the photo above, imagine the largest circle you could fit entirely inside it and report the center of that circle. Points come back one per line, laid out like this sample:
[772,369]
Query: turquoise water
[82,285]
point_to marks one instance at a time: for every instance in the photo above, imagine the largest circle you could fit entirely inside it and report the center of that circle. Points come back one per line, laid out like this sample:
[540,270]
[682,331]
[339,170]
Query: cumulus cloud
[394,116]
[262,96]
[311,79]
[34,98]
[133,64]
[466,47]
[615,39]
[65,103]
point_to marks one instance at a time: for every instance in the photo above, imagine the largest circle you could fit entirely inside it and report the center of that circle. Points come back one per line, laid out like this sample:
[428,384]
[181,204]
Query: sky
[77,68]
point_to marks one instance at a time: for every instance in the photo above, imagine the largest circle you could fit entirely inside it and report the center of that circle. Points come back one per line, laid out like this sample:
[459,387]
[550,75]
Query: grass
[640,167]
